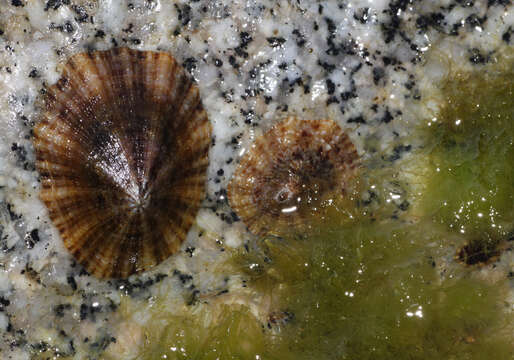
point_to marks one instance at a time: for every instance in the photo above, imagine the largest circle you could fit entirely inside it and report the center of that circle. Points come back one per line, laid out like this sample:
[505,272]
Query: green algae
[373,291]
[385,285]
[470,187]
[363,291]
[236,335]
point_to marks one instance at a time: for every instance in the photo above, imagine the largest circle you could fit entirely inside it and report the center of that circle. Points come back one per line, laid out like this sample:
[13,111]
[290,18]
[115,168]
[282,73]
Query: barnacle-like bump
[122,151]
[291,171]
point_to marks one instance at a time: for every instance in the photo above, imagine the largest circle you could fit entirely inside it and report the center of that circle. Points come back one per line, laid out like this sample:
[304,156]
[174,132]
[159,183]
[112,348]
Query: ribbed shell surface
[289,172]
[122,151]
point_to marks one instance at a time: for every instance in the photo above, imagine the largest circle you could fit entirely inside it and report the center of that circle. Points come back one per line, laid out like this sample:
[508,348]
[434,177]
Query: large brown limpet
[289,171]
[122,150]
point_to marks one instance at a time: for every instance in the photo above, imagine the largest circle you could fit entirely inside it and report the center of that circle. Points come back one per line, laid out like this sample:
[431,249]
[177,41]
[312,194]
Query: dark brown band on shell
[122,149]
[289,171]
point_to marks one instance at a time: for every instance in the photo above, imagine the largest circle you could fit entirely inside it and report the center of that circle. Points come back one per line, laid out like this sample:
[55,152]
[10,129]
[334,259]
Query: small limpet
[289,171]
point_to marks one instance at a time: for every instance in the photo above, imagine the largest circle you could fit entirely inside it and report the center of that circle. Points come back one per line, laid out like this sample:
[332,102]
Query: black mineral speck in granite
[221,196]
[137,287]
[33,73]
[189,64]
[299,38]
[283,66]
[17,3]
[389,61]
[59,309]
[193,297]
[474,20]
[331,87]
[4,302]
[20,152]
[332,100]
[357,120]
[183,277]
[89,311]
[378,74]
[34,234]
[507,35]
[398,152]
[72,347]
[275,41]
[32,238]
[71,281]
[245,39]
[387,116]
[476,57]
[55,4]
[327,66]
[390,28]
[190,250]
[84,309]
[100,34]
[68,27]
[224,291]
[80,11]
[435,20]
[232,61]
[184,14]
[362,15]
[248,115]
[347,95]
[333,47]
[102,342]
[129,28]
[409,84]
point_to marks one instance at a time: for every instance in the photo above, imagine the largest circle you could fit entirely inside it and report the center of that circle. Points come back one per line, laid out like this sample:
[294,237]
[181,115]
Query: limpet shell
[289,172]
[122,151]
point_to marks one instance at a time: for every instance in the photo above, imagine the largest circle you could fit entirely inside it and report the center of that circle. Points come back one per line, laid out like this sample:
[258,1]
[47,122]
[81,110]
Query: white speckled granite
[362,63]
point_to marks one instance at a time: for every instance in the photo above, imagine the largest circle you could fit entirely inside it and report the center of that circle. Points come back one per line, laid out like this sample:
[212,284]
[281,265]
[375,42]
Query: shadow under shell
[122,150]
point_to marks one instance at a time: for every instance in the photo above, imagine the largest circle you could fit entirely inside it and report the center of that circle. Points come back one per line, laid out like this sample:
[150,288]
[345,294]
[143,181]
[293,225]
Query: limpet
[289,172]
[122,151]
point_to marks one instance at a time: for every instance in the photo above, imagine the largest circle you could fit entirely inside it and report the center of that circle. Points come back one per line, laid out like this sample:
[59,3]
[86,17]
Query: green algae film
[236,335]
[373,291]
[470,187]
[364,291]
[375,288]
